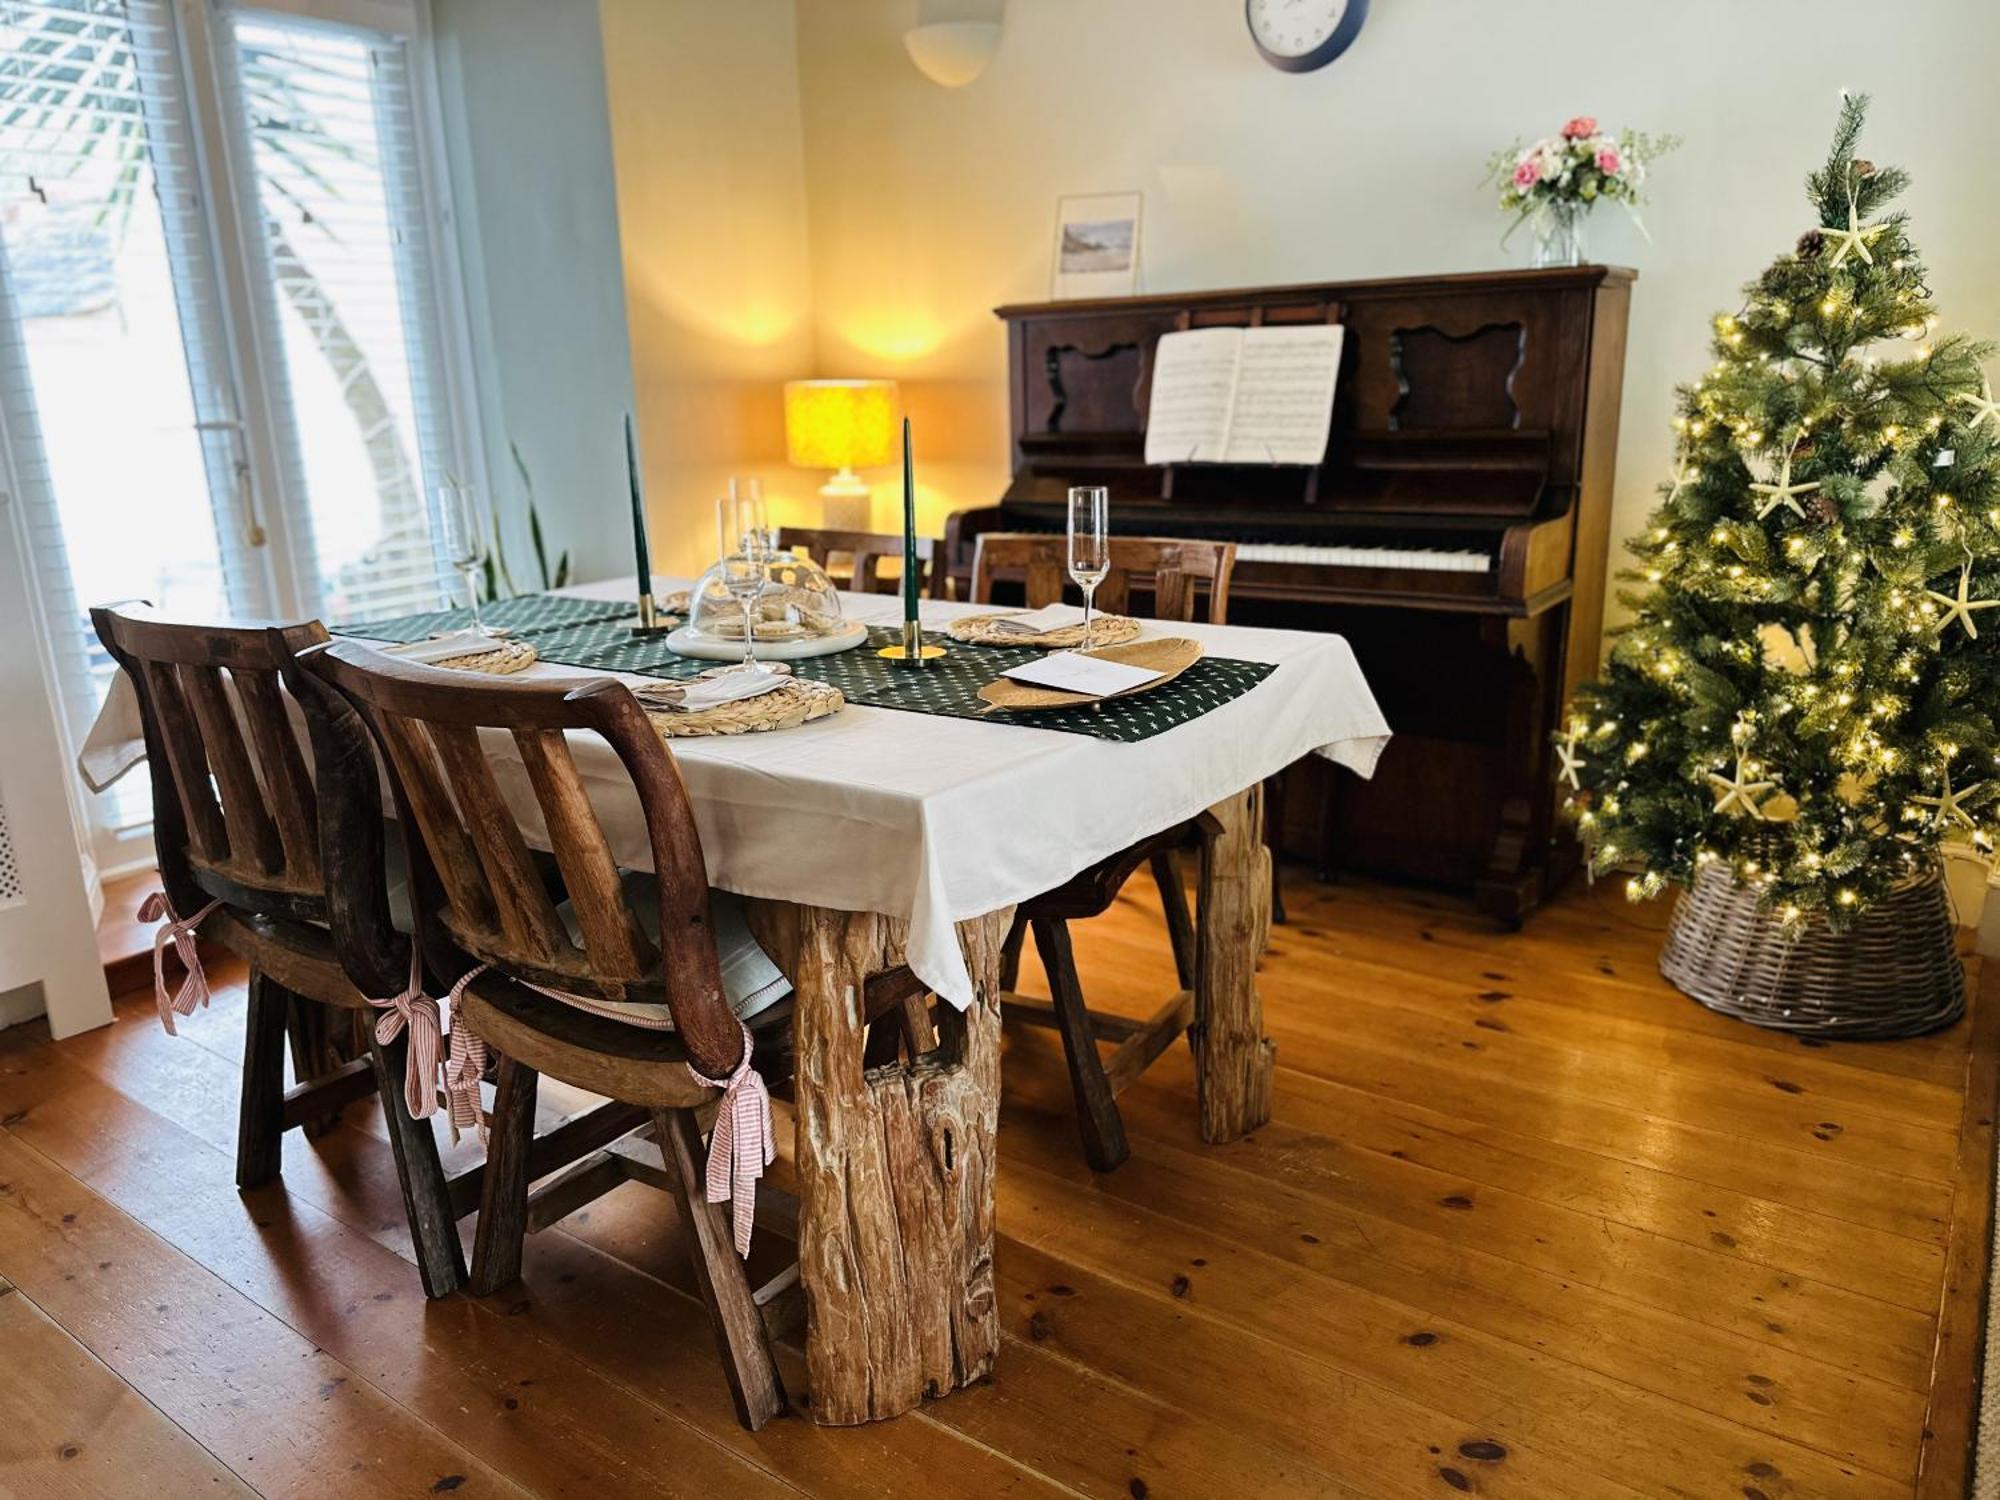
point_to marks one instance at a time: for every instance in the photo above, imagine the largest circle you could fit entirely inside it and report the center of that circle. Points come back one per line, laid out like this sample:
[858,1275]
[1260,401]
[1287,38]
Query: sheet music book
[1244,395]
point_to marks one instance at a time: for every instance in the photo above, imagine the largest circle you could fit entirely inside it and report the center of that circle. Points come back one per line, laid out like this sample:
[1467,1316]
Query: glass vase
[1559,235]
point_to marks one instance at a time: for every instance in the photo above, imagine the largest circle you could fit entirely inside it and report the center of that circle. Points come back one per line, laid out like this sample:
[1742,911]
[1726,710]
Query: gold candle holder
[649,622]
[912,652]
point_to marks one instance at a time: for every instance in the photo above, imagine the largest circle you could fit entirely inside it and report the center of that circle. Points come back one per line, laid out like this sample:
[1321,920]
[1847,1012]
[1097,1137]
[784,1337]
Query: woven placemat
[505,659]
[949,687]
[986,630]
[796,701]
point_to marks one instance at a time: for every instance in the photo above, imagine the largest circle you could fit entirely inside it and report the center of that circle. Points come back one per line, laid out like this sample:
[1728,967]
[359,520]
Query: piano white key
[1409,559]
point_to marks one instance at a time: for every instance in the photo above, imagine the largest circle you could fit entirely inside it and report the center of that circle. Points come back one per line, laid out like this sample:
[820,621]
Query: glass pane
[328,121]
[107,419]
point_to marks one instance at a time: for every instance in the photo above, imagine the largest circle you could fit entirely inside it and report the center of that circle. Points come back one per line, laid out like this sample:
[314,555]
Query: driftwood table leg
[895,1168]
[1233,1057]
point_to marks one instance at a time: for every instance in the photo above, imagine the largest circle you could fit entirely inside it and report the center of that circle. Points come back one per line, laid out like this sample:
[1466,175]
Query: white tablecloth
[934,819]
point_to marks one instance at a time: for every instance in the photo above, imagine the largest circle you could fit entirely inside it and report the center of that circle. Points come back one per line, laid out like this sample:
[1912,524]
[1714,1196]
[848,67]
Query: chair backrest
[867,548]
[1176,571]
[477,888]
[235,814]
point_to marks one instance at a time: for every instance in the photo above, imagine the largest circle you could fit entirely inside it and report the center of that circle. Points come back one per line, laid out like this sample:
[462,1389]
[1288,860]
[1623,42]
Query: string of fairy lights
[1803,689]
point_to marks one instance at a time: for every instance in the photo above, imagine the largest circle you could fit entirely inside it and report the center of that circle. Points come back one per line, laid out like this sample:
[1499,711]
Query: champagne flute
[461,527]
[1089,545]
[749,497]
[743,568]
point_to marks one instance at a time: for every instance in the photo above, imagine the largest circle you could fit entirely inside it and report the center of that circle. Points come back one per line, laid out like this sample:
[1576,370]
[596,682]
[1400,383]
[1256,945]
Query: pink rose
[1581,126]
[1527,172]
[1608,161]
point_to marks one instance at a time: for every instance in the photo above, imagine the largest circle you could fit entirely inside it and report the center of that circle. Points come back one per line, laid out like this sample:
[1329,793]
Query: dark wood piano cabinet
[1467,488]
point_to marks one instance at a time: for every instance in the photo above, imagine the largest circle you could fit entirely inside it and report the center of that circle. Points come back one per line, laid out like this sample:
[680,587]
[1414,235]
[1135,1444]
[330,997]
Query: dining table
[882,836]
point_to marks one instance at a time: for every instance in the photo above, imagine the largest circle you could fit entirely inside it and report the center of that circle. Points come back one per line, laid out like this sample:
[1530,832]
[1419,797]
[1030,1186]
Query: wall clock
[1301,35]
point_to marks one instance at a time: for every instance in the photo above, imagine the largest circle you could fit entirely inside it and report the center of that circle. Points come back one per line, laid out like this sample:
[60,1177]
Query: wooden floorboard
[1526,1223]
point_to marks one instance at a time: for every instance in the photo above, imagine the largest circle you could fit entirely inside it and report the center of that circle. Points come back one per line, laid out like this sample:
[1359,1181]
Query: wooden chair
[867,548]
[236,827]
[653,981]
[1176,573]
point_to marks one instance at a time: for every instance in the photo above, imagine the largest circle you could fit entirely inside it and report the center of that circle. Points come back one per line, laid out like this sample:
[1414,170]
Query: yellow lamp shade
[840,424]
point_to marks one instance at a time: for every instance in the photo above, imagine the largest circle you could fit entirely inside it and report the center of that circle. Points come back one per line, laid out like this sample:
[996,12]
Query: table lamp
[842,425]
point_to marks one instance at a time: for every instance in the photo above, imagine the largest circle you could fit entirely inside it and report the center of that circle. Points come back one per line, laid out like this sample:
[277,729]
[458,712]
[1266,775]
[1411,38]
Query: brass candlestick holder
[649,622]
[911,651]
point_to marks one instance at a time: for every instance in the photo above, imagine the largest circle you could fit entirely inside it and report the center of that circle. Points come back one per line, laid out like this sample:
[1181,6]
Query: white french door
[224,304]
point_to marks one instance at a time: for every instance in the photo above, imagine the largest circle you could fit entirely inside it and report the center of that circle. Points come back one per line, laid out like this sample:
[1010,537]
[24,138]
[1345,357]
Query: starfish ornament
[1568,762]
[1951,805]
[1985,408]
[1783,491]
[1734,794]
[1680,480]
[1853,239]
[1961,607]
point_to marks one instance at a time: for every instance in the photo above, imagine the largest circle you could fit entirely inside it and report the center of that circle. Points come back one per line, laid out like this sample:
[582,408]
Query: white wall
[705,126]
[529,144]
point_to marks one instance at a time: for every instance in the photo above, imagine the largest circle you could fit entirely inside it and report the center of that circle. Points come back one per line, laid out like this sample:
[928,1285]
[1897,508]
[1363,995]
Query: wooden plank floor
[1526,1224]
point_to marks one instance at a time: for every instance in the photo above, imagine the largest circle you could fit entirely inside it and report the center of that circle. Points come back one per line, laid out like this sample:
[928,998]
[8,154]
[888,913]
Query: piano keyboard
[1418,559]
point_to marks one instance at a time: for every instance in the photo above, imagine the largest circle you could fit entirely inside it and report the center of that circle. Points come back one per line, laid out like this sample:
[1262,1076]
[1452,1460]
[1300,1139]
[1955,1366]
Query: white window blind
[329,129]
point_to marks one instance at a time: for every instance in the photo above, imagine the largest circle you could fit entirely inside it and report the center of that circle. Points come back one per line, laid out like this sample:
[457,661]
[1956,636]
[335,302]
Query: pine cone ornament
[1825,509]
[1863,168]
[1810,244]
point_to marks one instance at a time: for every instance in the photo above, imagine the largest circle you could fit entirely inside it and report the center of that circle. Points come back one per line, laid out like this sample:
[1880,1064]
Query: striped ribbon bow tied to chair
[417,1013]
[466,1067]
[193,992]
[740,1146]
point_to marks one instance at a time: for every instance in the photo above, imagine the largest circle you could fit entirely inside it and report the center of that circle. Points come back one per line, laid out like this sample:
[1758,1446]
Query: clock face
[1299,35]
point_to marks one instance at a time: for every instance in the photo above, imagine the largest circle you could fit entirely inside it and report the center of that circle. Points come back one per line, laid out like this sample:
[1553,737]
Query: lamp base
[845,503]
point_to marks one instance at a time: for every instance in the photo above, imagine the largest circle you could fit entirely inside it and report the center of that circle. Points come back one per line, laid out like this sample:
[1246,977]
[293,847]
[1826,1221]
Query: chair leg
[1174,904]
[1010,953]
[426,1192]
[260,1120]
[725,1288]
[503,1196]
[1097,1116]
[310,1026]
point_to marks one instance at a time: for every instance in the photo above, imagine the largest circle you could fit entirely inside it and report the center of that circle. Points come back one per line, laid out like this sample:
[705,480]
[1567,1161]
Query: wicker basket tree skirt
[1894,971]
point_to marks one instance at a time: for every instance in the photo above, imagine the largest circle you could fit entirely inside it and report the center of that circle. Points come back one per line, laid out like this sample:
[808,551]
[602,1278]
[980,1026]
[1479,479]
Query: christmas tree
[1808,687]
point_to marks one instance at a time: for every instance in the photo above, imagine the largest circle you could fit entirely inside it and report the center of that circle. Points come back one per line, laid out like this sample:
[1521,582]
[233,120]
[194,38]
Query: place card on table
[1068,672]
[1041,621]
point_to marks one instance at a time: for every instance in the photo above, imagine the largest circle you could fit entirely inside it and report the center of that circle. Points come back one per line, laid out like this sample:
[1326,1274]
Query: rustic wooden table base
[895,1168]
[1233,1057]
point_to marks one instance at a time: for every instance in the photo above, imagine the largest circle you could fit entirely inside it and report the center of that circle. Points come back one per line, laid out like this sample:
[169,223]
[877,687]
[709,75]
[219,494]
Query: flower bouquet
[1554,182]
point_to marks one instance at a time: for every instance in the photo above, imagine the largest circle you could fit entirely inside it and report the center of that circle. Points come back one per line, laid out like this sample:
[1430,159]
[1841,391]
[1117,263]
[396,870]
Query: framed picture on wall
[1097,245]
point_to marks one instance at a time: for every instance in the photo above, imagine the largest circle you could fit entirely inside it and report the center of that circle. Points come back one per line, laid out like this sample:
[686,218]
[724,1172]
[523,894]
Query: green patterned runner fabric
[595,634]
[530,616]
[949,686]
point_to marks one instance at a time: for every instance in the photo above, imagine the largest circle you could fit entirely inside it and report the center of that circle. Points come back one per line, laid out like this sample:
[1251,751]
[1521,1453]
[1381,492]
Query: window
[223,384]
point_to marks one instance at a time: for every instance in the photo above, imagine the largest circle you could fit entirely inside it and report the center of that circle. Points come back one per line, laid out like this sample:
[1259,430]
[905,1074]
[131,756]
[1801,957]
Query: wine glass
[1089,545]
[744,566]
[462,530]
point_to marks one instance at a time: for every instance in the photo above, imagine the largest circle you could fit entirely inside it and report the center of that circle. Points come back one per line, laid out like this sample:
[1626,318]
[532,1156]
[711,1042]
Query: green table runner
[530,616]
[595,634]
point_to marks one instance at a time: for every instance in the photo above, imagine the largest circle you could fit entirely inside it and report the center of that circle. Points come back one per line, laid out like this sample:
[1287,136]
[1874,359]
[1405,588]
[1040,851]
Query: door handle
[253,529]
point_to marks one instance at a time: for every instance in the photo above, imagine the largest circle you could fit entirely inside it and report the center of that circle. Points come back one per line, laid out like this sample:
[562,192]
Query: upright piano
[1456,531]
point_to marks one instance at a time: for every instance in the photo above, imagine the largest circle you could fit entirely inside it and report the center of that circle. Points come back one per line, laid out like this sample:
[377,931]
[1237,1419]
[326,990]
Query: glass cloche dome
[797,603]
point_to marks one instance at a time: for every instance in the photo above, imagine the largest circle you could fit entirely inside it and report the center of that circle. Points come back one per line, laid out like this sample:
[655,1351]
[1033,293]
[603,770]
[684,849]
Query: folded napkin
[709,692]
[1041,621]
[447,647]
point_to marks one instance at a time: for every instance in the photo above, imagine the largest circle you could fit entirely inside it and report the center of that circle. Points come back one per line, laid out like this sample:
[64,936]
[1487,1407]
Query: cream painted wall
[929,207]
[710,167]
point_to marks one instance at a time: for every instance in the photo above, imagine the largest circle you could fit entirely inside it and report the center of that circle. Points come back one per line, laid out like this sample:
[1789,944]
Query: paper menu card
[1071,673]
[1244,395]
